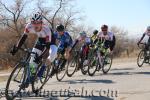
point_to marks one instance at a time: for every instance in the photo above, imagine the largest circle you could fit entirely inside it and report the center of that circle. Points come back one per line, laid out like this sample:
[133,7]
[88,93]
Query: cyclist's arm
[23,37]
[75,43]
[21,40]
[142,38]
[113,43]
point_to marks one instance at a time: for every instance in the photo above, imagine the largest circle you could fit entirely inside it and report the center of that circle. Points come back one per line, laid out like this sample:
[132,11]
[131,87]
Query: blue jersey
[65,40]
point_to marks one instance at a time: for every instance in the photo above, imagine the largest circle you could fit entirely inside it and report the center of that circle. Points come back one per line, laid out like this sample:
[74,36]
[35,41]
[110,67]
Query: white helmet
[36,17]
[148,28]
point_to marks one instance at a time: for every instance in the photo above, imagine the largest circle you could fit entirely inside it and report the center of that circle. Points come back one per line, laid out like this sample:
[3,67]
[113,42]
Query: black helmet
[95,32]
[60,28]
[103,27]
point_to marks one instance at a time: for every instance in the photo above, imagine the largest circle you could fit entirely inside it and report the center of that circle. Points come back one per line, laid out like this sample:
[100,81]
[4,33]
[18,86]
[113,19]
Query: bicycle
[22,76]
[143,56]
[76,63]
[58,68]
[97,61]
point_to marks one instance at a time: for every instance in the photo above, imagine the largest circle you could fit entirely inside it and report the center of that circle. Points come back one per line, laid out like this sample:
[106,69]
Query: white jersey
[109,34]
[44,33]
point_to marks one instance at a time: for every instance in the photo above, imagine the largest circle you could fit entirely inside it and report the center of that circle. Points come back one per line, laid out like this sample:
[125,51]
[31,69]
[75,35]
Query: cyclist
[43,43]
[146,33]
[94,36]
[65,41]
[85,41]
[109,38]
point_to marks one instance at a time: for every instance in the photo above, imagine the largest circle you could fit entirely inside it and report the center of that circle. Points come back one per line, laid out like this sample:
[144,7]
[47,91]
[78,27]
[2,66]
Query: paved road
[125,81]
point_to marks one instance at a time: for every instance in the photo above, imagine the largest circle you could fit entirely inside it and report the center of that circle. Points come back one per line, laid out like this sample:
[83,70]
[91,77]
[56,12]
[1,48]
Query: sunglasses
[36,22]
[104,30]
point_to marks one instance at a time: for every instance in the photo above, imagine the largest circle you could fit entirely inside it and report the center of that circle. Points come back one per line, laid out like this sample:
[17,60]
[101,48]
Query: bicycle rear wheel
[39,80]
[84,67]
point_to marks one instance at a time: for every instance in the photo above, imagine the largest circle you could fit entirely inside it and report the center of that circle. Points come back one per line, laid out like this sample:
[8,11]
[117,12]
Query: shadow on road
[118,69]
[128,73]
[89,81]
[90,98]
[68,98]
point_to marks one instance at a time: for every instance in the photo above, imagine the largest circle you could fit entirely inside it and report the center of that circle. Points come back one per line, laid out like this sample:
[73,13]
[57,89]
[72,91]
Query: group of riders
[52,42]
[61,41]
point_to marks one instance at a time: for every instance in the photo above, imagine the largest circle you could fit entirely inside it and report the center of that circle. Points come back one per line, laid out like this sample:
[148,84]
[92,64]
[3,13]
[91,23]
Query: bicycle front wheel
[107,63]
[15,81]
[61,69]
[72,66]
[141,58]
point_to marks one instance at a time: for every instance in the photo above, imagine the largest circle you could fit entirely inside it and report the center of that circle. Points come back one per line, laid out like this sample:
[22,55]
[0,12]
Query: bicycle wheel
[107,62]
[61,69]
[72,65]
[141,58]
[84,67]
[93,65]
[15,81]
[43,76]
[39,79]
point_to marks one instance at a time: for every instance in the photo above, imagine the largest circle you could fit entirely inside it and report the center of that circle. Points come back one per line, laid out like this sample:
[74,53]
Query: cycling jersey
[110,41]
[65,40]
[110,35]
[44,34]
[94,37]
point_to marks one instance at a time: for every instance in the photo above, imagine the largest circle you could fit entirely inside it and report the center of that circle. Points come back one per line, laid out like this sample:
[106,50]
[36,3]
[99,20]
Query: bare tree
[62,12]
[11,15]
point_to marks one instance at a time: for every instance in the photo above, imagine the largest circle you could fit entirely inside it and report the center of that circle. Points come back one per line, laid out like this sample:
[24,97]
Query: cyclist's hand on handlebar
[13,50]
[138,43]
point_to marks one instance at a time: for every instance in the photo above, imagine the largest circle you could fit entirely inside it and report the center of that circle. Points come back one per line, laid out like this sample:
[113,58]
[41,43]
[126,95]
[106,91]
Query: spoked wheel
[84,66]
[93,66]
[107,62]
[72,65]
[40,78]
[43,74]
[141,58]
[15,82]
[61,69]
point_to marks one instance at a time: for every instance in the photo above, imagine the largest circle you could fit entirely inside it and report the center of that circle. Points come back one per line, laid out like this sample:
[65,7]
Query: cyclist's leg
[67,52]
[37,49]
[52,54]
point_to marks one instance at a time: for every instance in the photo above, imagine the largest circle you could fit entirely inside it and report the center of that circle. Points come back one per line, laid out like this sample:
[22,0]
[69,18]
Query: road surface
[125,81]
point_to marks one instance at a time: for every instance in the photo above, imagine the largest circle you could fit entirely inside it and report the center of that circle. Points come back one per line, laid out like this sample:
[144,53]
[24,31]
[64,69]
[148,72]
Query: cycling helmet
[60,28]
[37,17]
[148,28]
[95,32]
[104,27]
[83,34]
